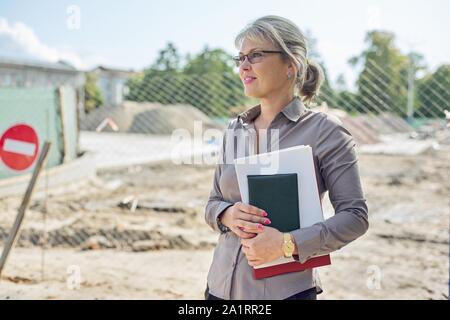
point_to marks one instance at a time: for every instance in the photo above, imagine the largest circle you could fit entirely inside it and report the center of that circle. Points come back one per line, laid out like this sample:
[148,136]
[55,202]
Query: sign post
[25,201]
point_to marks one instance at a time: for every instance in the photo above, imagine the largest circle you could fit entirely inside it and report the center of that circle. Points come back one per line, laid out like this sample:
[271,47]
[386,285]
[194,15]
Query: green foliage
[382,83]
[168,59]
[207,81]
[433,94]
[92,96]
[347,101]
[327,94]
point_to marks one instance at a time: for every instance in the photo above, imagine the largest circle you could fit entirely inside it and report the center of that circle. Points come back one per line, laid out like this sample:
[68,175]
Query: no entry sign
[19,146]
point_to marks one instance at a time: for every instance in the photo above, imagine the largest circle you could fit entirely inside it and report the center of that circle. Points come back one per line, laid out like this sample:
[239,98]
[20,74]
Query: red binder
[294,266]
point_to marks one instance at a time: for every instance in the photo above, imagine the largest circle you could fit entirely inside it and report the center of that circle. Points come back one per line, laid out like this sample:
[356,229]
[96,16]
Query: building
[112,84]
[39,74]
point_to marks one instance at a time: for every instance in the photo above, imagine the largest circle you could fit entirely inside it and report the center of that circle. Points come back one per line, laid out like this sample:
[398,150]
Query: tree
[168,59]
[345,99]
[433,94]
[134,84]
[160,81]
[207,81]
[212,70]
[383,81]
[92,96]
[327,93]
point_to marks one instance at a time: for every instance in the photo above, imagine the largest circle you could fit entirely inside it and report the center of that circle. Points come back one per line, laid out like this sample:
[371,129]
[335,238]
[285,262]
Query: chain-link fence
[157,104]
[384,102]
[141,200]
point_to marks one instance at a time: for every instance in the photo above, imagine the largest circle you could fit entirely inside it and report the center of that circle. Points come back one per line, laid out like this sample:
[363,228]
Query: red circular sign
[19,146]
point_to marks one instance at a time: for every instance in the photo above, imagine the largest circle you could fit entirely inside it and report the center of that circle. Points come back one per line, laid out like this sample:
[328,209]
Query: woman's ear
[291,69]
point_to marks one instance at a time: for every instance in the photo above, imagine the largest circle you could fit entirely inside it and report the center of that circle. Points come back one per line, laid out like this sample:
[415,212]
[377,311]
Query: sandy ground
[98,247]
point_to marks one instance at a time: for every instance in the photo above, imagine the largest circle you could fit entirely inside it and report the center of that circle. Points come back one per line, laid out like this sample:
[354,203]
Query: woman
[274,68]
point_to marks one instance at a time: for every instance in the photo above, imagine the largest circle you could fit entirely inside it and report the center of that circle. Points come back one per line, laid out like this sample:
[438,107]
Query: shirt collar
[293,111]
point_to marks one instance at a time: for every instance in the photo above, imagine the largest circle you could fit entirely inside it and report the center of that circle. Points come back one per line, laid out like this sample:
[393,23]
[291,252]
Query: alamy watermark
[208,147]
[374,276]
[73,21]
[73,280]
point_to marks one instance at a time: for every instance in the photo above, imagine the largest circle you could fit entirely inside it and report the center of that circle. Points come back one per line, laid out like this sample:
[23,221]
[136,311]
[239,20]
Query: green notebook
[277,194]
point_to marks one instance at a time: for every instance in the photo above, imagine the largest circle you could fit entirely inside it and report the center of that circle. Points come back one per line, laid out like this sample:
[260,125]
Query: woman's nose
[245,65]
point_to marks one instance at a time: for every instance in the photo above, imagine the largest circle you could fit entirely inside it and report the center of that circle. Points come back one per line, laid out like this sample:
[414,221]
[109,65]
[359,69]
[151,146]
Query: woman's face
[267,77]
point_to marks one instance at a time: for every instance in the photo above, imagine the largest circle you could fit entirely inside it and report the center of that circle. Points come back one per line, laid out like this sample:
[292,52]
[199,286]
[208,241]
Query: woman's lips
[248,80]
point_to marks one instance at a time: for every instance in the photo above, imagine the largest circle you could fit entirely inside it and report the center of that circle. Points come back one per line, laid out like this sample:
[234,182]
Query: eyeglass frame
[238,62]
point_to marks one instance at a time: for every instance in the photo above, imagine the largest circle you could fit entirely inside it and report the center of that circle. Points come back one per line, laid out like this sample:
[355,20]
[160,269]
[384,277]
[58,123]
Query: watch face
[289,247]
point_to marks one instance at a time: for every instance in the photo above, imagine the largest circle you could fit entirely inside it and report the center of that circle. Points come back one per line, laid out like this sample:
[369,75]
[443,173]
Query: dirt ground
[139,233]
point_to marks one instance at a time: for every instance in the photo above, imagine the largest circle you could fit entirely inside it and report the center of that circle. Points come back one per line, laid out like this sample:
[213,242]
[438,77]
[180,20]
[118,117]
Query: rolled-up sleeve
[216,203]
[338,167]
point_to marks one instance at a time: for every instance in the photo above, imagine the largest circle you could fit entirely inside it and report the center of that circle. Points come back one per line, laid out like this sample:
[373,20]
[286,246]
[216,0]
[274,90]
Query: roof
[116,71]
[56,66]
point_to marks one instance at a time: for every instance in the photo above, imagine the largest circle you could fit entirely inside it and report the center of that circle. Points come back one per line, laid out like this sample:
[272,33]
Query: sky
[129,33]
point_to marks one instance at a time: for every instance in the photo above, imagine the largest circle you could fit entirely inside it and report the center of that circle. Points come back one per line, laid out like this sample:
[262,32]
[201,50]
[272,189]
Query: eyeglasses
[252,57]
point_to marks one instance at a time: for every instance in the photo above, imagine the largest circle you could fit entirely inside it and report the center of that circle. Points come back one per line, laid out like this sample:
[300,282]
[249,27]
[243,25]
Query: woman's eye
[257,54]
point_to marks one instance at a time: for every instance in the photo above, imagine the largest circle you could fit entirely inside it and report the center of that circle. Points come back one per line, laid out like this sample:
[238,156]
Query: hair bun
[313,81]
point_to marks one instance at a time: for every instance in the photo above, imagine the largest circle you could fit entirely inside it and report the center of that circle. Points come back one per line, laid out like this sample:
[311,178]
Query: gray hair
[286,36]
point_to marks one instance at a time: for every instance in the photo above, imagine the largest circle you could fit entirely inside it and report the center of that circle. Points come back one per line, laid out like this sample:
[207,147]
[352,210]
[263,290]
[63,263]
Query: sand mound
[148,118]
[367,128]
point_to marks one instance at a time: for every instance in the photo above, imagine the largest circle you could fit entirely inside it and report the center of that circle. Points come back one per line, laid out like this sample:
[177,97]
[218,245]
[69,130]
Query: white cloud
[18,39]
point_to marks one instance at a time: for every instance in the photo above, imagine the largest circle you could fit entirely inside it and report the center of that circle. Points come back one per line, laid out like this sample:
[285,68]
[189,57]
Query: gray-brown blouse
[230,276]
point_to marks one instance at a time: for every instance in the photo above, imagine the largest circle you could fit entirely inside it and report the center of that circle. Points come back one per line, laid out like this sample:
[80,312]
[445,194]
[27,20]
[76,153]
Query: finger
[249,226]
[252,210]
[244,230]
[254,263]
[242,234]
[247,249]
[253,218]
[248,252]
[249,235]
[250,255]
[251,258]
[247,242]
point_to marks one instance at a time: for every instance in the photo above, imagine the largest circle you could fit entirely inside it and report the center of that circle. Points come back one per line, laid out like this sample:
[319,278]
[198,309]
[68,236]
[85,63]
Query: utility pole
[410,101]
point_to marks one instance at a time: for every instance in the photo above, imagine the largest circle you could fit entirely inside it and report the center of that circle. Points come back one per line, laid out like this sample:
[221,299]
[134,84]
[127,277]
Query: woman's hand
[265,247]
[245,220]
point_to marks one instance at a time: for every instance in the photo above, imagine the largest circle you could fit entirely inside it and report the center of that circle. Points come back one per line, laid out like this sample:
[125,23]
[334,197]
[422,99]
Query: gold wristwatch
[288,245]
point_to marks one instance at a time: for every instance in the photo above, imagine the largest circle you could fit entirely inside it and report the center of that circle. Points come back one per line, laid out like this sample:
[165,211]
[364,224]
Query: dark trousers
[309,294]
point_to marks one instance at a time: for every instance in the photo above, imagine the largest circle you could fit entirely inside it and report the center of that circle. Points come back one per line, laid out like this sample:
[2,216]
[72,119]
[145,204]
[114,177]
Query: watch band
[223,228]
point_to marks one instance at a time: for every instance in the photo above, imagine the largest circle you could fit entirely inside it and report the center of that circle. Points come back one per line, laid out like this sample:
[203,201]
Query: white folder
[299,160]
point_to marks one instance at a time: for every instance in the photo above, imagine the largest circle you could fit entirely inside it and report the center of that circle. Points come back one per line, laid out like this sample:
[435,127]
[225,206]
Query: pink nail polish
[260,226]
[267,221]
[264,214]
